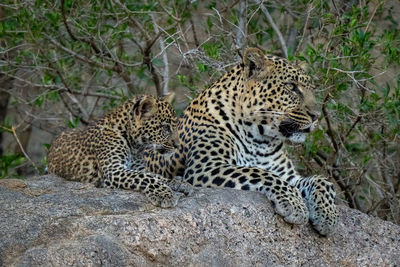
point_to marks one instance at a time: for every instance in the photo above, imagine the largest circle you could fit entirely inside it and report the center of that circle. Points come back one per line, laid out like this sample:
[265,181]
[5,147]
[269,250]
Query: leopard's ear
[144,107]
[169,98]
[303,65]
[256,63]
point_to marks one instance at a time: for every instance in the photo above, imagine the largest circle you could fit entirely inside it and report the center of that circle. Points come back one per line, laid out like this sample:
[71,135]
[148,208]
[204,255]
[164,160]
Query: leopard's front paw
[179,185]
[163,197]
[289,204]
[321,204]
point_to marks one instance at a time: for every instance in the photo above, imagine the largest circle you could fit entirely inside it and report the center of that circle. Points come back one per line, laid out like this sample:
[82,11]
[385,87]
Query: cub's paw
[321,204]
[289,204]
[163,197]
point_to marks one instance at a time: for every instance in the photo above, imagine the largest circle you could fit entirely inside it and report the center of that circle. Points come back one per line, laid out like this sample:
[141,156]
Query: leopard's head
[154,121]
[277,96]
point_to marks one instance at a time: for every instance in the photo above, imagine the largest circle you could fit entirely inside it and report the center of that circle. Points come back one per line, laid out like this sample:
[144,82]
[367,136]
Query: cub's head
[277,96]
[153,121]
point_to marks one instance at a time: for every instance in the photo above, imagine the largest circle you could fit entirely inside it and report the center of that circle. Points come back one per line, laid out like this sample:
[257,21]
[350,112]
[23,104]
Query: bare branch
[133,20]
[305,26]
[373,14]
[328,123]
[273,25]
[168,12]
[234,3]
[242,29]
[165,74]
[196,41]
[352,126]
[80,57]
[118,68]
[57,88]
[23,151]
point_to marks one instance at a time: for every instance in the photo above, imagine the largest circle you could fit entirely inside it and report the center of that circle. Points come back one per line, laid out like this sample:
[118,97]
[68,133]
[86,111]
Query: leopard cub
[106,152]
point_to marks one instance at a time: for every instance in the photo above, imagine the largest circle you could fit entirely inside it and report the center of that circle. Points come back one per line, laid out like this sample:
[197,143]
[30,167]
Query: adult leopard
[109,153]
[233,135]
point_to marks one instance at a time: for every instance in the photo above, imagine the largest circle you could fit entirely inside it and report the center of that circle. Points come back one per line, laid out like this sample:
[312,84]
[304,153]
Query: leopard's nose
[314,116]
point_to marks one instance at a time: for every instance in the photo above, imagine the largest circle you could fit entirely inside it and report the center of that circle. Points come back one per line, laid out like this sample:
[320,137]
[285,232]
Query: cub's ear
[169,98]
[255,63]
[144,107]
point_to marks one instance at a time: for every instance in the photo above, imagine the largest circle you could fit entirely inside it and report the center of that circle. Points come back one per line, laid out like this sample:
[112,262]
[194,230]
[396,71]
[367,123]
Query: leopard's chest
[254,152]
[135,160]
[256,156]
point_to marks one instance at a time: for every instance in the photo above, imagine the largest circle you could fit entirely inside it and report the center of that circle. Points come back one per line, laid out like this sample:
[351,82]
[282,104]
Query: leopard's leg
[113,164]
[154,188]
[319,195]
[287,200]
[168,165]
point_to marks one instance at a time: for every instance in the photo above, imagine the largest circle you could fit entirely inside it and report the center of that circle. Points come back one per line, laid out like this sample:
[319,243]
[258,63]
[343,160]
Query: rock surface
[46,221]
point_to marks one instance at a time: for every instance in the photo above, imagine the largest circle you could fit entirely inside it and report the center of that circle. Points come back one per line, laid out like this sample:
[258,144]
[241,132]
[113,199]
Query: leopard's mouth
[290,127]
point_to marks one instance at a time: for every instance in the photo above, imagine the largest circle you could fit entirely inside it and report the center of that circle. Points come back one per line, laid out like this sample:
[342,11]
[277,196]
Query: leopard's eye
[294,88]
[167,128]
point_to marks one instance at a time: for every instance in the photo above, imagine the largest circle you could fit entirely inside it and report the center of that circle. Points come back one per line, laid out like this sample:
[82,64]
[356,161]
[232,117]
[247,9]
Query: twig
[80,57]
[73,37]
[118,68]
[133,20]
[23,151]
[148,62]
[273,25]
[85,118]
[56,87]
[328,123]
[352,126]
[337,10]
[196,41]
[229,7]
[376,205]
[168,12]
[309,9]
[373,14]
[219,15]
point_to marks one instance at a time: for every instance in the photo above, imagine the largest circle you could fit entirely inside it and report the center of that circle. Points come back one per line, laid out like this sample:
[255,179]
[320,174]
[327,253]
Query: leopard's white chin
[298,137]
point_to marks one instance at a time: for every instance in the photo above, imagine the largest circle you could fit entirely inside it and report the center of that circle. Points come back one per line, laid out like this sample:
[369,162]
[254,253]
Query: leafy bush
[83,57]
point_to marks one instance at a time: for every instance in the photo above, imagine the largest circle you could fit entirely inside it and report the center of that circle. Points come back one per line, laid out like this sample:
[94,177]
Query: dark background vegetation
[65,62]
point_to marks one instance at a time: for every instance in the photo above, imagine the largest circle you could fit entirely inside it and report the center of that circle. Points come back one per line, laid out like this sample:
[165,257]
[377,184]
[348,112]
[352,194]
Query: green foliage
[93,55]
[212,50]
[360,124]
[74,123]
[8,162]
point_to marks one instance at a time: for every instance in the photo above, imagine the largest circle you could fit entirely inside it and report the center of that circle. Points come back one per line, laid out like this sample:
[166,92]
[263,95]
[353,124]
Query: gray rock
[47,221]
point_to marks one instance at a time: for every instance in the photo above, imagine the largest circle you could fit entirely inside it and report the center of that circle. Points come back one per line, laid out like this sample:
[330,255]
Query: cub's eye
[167,128]
[293,87]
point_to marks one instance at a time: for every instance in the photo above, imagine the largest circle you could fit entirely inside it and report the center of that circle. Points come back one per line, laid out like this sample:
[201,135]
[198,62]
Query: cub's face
[154,122]
[160,128]
[279,96]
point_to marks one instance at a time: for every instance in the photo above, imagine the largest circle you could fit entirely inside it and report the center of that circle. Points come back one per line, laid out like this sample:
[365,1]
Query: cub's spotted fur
[106,152]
